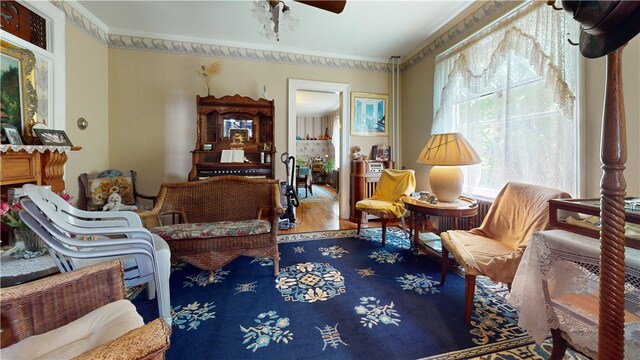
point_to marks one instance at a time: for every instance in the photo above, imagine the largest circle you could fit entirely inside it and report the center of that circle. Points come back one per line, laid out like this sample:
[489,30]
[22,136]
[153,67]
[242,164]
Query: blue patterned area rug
[338,297]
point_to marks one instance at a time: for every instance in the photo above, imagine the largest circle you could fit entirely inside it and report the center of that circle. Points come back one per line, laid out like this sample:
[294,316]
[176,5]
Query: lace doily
[557,285]
[35,148]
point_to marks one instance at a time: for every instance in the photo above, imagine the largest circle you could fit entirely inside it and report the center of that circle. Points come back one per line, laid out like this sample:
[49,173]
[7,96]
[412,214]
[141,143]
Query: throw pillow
[101,188]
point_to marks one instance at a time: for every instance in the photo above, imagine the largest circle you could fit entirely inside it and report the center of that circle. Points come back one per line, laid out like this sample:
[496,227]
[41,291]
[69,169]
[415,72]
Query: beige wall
[87,84]
[594,80]
[141,108]
[417,111]
[152,112]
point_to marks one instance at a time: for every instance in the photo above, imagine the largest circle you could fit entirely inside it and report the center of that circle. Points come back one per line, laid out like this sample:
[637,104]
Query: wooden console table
[40,165]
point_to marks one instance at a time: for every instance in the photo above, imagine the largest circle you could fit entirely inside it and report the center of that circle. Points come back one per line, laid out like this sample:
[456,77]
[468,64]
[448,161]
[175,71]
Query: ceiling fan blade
[335,6]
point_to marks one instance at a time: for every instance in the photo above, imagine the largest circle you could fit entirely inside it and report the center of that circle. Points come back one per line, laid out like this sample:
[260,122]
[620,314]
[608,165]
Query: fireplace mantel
[40,165]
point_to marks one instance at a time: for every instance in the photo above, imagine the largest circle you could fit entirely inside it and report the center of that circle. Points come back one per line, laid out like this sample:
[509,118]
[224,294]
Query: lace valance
[35,148]
[535,33]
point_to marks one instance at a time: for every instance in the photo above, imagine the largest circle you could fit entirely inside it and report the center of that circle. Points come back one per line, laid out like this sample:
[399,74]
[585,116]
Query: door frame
[344,90]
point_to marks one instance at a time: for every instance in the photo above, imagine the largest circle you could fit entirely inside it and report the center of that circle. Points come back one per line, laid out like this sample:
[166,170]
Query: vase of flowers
[32,242]
[10,220]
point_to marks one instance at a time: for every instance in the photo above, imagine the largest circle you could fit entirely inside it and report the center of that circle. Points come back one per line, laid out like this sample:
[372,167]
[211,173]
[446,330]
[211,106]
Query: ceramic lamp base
[446,182]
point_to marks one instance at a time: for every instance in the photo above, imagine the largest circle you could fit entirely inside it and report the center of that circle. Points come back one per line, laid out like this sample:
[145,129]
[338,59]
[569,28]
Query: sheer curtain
[511,91]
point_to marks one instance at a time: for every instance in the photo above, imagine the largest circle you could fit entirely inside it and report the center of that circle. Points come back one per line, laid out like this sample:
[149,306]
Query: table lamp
[446,152]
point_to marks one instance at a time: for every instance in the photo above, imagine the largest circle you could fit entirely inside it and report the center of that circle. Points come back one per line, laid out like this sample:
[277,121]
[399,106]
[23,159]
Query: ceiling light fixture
[267,12]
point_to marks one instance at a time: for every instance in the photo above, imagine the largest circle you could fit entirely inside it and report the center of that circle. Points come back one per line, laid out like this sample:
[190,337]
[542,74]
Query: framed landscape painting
[17,86]
[369,114]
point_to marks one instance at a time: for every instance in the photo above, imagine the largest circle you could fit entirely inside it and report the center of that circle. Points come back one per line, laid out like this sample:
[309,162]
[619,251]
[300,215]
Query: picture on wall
[369,114]
[18,97]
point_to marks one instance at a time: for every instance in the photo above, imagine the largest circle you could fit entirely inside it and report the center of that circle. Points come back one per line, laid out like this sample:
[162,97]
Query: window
[511,91]
[49,51]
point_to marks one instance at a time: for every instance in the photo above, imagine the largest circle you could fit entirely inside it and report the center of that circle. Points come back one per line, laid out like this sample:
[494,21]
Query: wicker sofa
[79,314]
[210,222]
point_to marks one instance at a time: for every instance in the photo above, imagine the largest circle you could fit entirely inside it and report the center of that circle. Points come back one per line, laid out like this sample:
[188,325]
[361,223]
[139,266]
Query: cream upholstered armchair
[386,201]
[80,314]
[494,249]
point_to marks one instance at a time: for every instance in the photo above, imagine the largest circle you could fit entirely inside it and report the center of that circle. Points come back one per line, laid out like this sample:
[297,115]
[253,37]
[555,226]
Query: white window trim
[55,55]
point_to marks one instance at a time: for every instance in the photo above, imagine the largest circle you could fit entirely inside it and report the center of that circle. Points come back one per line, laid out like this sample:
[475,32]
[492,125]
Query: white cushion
[94,329]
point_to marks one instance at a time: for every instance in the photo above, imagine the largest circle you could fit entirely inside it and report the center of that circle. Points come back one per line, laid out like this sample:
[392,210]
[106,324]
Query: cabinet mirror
[236,126]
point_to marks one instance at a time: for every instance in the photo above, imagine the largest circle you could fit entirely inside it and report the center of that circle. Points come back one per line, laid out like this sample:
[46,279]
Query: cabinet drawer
[19,168]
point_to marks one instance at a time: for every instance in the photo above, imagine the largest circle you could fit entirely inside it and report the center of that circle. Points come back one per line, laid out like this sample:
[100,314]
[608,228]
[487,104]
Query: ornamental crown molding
[77,15]
[460,30]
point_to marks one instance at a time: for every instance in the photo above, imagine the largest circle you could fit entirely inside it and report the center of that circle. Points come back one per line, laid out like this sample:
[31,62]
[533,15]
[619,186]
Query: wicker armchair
[44,305]
[221,218]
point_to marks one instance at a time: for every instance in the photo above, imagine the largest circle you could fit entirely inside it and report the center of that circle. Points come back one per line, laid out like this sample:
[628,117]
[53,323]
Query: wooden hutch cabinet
[234,122]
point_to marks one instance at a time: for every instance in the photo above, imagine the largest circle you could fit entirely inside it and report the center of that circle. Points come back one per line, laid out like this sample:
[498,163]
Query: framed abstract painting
[369,114]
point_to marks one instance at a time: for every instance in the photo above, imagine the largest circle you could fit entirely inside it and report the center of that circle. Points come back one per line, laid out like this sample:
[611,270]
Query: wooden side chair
[94,190]
[303,180]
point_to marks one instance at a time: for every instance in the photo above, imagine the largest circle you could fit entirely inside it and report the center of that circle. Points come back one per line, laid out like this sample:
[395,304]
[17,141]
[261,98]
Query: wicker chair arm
[43,305]
[150,218]
[147,342]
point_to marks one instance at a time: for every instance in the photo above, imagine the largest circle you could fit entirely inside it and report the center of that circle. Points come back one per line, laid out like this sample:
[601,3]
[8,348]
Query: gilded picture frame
[18,87]
[369,114]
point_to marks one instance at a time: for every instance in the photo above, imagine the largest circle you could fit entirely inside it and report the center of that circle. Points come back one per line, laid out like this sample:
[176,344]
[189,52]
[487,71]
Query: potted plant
[327,170]
[328,166]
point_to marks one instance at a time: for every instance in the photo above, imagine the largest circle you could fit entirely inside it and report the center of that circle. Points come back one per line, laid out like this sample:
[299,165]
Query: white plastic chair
[77,238]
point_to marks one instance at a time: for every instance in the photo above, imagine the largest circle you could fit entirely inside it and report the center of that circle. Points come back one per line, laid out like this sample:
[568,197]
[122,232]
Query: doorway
[343,91]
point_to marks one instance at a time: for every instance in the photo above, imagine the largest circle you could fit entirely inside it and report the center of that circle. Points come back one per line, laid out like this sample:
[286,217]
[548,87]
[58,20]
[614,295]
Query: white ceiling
[370,30]
[314,103]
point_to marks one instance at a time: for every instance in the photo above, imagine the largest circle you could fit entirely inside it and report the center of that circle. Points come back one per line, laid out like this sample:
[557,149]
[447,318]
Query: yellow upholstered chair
[386,201]
[495,248]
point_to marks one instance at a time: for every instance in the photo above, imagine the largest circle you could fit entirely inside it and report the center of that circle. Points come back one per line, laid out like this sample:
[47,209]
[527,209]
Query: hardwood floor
[321,215]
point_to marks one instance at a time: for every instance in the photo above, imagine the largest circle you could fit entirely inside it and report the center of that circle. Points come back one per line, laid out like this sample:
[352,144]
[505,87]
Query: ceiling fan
[268,13]
[334,6]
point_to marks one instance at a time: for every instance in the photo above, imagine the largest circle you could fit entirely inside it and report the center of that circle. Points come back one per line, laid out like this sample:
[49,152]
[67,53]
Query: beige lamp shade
[446,151]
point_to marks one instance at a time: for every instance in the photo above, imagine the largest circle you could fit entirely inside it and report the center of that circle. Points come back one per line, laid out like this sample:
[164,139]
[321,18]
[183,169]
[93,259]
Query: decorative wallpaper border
[461,29]
[77,18]
[81,22]
[193,48]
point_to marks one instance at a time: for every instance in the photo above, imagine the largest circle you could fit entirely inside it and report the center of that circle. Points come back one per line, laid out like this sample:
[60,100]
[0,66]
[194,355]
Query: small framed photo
[13,135]
[52,137]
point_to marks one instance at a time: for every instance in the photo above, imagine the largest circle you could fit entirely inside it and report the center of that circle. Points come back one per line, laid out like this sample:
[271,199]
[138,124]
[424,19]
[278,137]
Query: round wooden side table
[420,213]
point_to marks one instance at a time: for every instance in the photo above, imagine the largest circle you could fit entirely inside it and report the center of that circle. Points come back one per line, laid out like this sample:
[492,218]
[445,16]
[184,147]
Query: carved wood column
[53,170]
[612,241]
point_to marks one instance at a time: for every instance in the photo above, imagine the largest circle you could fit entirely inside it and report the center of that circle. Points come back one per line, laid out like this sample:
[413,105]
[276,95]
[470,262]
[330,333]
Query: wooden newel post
[612,240]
